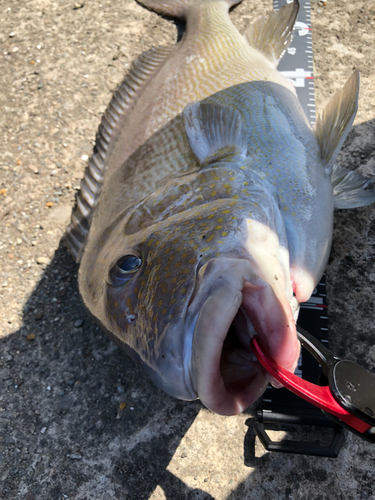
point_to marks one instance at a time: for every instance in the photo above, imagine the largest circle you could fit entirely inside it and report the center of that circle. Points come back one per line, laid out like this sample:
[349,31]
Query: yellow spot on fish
[218,227]
[160,303]
[236,197]
[210,216]
[245,183]
[129,302]
[232,203]
[226,211]
[210,238]
[116,304]
[294,213]
[233,217]
[213,193]
[205,249]
[164,311]
[224,233]
[221,242]
[213,209]
[220,219]
[242,168]
[285,209]
[231,178]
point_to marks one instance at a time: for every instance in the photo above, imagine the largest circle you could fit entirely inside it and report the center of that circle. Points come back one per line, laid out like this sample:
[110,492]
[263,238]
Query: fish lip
[224,299]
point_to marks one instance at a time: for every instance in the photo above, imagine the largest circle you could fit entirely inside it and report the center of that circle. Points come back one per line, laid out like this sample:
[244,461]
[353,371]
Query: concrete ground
[77,419]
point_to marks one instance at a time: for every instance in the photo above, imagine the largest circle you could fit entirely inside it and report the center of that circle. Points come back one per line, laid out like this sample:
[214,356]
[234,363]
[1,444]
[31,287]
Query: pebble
[84,157]
[31,336]
[12,34]
[78,323]
[33,169]
[43,430]
[372,353]
[43,260]
[4,374]
[122,405]
[75,456]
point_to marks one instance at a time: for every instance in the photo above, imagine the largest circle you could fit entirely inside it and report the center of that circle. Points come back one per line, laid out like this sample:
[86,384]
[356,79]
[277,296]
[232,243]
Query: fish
[205,213]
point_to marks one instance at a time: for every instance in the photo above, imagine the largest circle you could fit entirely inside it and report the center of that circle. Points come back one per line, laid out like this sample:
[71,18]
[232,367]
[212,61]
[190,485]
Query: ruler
[297,63]
[280,407]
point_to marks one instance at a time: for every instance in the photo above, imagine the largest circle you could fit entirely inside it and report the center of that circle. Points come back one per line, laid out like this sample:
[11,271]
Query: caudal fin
[178,8]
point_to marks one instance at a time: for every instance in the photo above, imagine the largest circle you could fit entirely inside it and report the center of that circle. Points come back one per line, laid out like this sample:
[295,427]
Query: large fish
[205,213]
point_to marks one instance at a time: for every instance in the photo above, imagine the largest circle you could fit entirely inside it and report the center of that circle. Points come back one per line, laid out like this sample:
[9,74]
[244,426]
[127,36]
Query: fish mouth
[224,371]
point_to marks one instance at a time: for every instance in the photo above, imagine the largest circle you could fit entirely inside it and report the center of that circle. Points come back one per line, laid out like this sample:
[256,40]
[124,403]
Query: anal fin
[272,35]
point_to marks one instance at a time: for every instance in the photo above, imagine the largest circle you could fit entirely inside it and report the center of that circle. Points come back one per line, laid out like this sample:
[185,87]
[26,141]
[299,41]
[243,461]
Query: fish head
[187,277]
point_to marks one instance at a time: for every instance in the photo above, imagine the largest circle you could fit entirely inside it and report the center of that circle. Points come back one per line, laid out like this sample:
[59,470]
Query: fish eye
[129,264]
[124,269]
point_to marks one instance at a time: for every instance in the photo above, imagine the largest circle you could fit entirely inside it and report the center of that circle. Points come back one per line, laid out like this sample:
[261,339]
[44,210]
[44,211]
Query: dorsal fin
[272,35]
[123,100]
[214,132]
[179,8]
[334,124]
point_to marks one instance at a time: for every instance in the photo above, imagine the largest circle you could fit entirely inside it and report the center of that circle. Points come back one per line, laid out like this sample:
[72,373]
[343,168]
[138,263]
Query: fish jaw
[237,304]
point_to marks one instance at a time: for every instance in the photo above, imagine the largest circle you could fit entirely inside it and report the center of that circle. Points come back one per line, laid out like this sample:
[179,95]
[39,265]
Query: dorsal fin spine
[115,115]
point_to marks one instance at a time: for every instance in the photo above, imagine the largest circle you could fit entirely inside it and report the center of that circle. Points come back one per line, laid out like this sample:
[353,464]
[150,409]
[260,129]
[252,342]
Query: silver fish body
[204,228]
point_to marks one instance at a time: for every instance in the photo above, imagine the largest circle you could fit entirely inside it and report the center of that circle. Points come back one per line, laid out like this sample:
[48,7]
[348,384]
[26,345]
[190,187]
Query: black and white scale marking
[297,62]
[297,66]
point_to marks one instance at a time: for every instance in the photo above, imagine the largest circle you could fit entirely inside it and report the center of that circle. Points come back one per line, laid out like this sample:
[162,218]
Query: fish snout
[232,304]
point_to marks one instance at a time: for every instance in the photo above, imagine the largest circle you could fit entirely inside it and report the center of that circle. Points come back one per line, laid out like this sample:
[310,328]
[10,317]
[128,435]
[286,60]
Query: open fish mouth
[224,371]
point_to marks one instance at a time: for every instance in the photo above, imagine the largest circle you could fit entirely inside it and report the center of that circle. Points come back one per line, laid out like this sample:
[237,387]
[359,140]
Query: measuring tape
[280,406]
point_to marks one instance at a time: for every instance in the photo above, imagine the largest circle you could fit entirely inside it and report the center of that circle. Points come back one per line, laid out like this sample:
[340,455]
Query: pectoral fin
[351,189]
[272,35]
[337,118]
[214,132]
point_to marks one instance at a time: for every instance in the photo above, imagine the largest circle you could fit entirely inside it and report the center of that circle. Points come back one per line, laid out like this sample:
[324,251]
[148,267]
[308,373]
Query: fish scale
[196,224]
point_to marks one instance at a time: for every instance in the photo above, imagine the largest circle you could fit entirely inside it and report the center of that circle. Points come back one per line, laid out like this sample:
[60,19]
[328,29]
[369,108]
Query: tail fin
[178,8]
